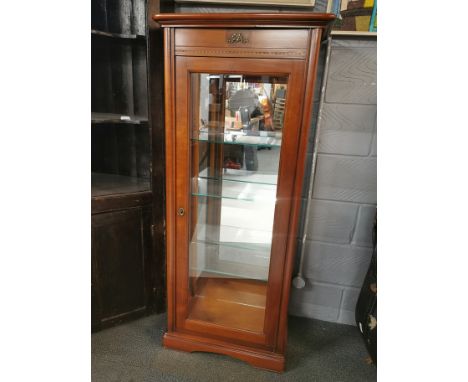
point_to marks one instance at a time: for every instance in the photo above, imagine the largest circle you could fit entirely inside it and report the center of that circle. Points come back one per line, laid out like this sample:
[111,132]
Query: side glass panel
[236,132]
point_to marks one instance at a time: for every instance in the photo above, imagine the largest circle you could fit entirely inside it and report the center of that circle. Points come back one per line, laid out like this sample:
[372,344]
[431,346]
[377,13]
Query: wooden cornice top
[221,20]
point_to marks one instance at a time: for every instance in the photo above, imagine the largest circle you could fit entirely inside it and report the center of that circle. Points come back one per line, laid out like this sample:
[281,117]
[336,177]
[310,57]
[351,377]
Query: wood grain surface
[221,20]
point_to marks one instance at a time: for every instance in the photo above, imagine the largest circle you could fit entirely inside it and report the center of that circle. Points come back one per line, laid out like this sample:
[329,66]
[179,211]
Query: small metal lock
[181,211]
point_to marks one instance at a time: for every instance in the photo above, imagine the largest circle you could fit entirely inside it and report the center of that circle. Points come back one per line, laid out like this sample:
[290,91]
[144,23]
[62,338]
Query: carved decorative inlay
[237,38]
[241,52]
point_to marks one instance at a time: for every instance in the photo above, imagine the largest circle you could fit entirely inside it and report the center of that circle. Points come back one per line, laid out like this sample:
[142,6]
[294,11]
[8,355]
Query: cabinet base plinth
[258,358]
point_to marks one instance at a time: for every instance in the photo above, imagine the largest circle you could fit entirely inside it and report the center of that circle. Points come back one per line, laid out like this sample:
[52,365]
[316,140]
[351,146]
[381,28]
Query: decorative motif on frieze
[237,38]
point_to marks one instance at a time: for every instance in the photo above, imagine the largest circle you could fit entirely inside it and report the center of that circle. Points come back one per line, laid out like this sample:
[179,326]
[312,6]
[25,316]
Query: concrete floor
[317,351]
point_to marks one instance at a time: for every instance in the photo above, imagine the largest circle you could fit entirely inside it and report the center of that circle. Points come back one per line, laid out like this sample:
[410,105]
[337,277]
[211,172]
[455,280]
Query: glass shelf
[243,176]
[252,192]
[225,260]
[260,275]
[240,224]
[263,139]
[236,237]
[261,248]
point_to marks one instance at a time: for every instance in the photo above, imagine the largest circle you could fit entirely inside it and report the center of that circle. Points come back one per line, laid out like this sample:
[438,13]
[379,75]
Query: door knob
[181,211]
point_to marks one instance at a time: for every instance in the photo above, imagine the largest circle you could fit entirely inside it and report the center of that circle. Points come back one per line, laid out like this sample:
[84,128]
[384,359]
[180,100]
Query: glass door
[238,217]
[235,152]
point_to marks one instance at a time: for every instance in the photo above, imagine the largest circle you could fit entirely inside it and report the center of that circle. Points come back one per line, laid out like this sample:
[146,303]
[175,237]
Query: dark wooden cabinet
[126,264]
[234,175]
[121,249]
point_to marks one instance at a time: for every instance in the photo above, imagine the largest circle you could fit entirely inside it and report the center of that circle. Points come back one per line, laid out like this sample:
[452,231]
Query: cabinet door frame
[295,71]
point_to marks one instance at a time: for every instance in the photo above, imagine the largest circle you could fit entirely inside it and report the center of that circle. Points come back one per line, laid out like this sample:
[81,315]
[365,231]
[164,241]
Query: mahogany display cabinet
[238,105]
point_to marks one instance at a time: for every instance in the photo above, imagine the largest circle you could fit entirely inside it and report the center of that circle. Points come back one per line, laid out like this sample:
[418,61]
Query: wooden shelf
[236,303]
[353,33]
[110,184]
[96,32]
[117,118]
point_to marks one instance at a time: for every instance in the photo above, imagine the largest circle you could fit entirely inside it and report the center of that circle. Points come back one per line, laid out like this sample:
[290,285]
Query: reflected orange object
[267,113]
[231,164]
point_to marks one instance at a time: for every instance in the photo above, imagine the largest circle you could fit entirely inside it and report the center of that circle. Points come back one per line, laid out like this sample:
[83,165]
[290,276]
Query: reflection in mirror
[236,132]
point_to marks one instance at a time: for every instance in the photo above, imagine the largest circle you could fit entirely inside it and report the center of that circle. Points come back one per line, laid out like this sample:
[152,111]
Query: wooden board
[235,303]
[110,184]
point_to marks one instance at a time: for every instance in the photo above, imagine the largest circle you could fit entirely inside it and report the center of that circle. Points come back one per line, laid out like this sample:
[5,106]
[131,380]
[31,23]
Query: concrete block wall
[338,244]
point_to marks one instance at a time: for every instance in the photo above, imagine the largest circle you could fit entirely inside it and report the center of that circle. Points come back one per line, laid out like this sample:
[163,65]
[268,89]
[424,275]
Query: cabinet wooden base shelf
[258,358]
[237,303]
